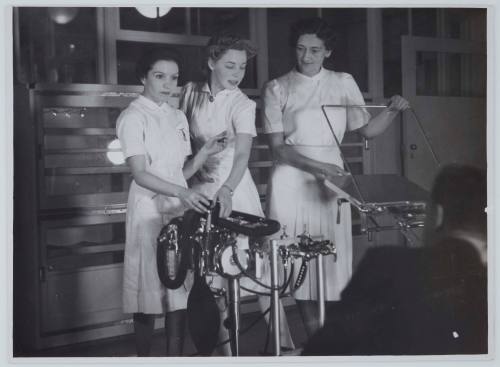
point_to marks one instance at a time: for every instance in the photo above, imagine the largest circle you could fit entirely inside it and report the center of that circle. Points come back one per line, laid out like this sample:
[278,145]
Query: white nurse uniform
[161,134]
[292,106]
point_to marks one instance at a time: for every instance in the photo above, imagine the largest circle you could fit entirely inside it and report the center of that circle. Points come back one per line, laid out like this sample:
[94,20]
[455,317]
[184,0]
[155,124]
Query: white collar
[477,240]
[152,104]
[317,77]
[225,92]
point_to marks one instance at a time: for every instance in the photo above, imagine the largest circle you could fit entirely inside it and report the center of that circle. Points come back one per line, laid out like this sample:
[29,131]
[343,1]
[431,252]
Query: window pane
[172,22]
[350,25]
[463,23]
[350,54]
[206,21]
[427,73]
[279,20]
[394,25]
[192,66]
[58,45]
[424,22]
[128,54]
[451,74]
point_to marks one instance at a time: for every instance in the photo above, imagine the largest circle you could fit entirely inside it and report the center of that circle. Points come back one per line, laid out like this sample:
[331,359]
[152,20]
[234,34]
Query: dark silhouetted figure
[429,300]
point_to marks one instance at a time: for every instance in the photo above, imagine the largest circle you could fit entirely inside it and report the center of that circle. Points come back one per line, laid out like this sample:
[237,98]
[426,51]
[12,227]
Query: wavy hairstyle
[221,42]
[149,58]
[321,28]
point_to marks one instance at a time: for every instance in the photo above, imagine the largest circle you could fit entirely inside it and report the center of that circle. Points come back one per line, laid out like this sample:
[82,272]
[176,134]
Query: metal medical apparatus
[208,245]
[373,195]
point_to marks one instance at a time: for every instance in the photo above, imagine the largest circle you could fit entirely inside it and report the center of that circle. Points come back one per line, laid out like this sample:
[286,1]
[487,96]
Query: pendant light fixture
[153,11]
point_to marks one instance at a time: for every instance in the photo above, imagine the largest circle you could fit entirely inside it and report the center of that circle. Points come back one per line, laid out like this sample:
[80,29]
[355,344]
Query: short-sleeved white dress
[233,111]
[160,133]
[292,106]
[230,110]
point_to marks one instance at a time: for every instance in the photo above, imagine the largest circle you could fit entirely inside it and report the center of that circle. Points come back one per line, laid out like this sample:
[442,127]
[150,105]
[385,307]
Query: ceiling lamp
[62,15]
[153,11]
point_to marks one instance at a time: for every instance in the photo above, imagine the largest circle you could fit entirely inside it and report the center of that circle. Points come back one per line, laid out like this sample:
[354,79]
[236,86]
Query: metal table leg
[321,290]
[234,314]
[275,316]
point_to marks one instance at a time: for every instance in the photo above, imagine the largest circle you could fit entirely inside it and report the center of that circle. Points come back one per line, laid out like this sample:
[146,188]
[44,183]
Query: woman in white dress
[305,153]
[155,142]
[217,106]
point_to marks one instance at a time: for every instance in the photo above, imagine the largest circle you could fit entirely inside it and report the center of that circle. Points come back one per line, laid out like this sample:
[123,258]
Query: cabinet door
[82,261]
[80,159]
[88,296]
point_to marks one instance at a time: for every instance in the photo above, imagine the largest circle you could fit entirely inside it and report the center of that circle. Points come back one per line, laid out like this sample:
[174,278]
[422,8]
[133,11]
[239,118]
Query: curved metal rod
[356,187]
[426,138]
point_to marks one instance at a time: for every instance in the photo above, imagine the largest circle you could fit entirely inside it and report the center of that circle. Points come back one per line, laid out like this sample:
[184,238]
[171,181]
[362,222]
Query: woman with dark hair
[155,142]
[305,154]
[215,106]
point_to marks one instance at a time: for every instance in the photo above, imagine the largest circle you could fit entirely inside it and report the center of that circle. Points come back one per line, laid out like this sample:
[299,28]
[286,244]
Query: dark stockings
[175,324]
[143,328]
[174,330]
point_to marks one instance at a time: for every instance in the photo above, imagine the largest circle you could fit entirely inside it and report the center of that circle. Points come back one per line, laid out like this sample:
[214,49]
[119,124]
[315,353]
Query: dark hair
[219,43]
[149,58]
[461,191]
[322,29]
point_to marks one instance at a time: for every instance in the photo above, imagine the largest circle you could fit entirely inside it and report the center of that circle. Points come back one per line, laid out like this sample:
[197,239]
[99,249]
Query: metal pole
[234,314]
[321,290]
[275,310]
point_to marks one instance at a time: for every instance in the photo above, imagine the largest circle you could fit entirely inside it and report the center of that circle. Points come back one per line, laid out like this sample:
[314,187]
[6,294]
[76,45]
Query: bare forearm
[194,164]
[240,164]
[156,184]
[288,155]
[378,124]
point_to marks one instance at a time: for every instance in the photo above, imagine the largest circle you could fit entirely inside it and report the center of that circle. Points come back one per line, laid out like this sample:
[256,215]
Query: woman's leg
[175,326]
[310,316]
[143,329]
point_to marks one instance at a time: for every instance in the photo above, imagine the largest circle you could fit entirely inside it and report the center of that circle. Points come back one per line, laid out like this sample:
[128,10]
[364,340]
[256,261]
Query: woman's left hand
[398,103]
[223,196]
[216,144]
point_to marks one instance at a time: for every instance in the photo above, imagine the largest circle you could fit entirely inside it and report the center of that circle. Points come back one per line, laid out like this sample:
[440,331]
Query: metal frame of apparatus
[407,214]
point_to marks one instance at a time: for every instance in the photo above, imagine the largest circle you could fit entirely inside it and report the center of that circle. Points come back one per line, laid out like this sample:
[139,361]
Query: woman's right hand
[335,174]
[203,176]
[194,200]
[215,144]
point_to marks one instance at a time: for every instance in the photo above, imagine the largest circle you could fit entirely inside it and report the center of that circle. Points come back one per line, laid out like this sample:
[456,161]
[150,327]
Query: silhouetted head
[458,204]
